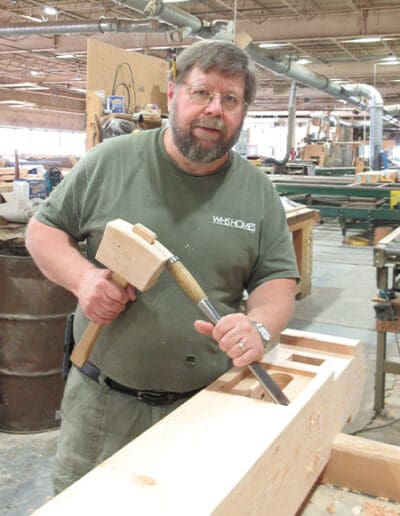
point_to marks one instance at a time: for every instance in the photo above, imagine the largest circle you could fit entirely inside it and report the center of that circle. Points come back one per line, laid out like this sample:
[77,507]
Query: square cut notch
[132,252]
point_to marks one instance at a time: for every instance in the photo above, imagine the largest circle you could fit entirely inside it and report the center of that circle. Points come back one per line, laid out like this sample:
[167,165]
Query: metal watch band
[264,334]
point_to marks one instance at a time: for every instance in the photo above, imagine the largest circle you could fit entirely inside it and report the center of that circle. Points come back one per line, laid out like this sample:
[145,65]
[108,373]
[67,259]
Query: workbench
[386,259]
[301,221]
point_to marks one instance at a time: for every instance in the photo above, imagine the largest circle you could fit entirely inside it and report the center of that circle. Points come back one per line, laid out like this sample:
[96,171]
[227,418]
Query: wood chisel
[192,288]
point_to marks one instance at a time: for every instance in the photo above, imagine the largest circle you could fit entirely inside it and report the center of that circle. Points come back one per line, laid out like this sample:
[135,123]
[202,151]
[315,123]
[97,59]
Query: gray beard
[193,149]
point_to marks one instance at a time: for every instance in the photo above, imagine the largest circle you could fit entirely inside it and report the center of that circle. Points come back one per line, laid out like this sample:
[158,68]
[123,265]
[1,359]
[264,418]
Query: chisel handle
[83,349]
[185,280]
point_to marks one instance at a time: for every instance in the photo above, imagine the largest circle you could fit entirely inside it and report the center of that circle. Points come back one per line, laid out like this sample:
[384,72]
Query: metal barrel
[33,313]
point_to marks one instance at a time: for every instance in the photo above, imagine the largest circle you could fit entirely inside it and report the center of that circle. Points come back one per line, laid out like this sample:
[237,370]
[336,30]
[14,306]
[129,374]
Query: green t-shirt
[229,229]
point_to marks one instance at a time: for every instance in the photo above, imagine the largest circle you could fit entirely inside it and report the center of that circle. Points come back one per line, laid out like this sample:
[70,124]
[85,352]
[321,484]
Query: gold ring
[242,347]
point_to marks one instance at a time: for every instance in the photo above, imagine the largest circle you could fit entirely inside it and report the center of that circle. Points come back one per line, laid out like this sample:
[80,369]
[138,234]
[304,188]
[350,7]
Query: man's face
[204,133]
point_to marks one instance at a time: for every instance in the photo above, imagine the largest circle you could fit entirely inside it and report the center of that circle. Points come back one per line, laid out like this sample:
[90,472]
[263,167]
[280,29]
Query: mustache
[209,123]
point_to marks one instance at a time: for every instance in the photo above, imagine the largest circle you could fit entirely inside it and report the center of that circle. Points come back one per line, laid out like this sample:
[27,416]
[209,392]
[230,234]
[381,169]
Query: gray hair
[220,56]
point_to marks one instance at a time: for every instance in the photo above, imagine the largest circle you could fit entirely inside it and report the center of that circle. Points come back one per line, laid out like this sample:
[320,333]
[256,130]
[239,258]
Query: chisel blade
[268,383]
[256,368]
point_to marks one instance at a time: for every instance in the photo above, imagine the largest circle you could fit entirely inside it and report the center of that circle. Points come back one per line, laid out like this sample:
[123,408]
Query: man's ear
[171,87]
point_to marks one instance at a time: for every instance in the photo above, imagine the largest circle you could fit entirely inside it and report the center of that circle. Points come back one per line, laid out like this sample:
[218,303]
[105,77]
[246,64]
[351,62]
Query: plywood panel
[147,84]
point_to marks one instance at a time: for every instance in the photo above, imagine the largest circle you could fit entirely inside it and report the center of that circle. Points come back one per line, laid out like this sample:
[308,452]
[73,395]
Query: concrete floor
[340,305]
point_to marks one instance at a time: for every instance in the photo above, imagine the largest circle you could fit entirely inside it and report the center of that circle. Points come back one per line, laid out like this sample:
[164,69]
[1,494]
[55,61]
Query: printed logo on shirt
[235,223]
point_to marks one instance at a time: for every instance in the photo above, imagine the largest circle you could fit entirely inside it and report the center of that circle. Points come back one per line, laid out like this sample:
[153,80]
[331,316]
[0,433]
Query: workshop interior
[318,417]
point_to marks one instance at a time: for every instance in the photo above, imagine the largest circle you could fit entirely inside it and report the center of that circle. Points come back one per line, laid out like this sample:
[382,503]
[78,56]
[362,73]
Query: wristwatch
[264,334]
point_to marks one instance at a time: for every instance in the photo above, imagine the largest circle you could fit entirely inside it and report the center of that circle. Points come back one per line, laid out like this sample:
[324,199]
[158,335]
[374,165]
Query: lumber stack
[230,450]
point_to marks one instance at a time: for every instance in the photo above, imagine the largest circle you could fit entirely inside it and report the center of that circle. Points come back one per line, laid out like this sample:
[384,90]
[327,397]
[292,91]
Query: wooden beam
[229,450]
[41,119]
[370,467]
[44,100]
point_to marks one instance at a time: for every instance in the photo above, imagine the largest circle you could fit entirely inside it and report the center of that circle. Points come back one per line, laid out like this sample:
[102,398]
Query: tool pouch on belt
[69,344]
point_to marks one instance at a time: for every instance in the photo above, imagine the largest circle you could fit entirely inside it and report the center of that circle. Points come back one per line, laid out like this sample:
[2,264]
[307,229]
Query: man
[209,206]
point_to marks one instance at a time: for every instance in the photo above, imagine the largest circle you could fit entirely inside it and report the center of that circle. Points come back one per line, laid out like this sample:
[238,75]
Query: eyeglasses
[201,96]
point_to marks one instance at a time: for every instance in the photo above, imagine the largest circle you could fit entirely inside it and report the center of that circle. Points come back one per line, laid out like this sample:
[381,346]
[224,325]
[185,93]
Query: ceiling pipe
[392,110]
[102,25]
[335,121]
[291,129]
[189,24]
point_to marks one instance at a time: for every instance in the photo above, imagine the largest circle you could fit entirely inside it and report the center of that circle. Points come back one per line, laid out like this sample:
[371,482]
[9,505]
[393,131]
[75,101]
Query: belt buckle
[155,398]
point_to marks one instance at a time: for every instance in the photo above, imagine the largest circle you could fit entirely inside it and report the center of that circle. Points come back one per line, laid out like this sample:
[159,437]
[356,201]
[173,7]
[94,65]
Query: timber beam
[230,449]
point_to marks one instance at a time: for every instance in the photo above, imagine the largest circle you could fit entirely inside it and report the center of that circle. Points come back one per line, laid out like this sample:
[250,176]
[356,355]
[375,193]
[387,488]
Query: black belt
[150,397]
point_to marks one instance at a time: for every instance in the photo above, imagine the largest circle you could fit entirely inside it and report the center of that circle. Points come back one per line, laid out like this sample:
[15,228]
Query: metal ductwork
[351,94]
[335,121]
[87,27]
[291,128]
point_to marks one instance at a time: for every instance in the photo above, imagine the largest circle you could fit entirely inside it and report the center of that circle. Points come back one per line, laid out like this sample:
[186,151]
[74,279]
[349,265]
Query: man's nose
[215,105]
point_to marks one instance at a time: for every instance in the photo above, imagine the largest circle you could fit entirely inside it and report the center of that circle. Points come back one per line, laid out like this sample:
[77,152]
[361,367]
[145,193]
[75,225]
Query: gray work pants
[95,423]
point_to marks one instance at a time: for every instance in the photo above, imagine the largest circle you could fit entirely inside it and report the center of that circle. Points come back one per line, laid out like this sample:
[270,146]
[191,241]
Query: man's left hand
[237,336]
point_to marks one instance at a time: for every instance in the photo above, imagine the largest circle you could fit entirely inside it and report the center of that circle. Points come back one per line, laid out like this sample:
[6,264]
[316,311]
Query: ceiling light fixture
[32,18]
[388,63]
[16,85]
[272,45]
[50,10]
[303,61]
[389,58]
[65,56]
[373,39]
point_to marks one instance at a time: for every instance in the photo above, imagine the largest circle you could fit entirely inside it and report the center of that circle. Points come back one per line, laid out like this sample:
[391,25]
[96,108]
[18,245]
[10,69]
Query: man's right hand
[100,298]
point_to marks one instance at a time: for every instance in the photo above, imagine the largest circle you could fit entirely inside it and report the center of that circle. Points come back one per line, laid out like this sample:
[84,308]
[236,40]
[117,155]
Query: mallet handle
[83,349]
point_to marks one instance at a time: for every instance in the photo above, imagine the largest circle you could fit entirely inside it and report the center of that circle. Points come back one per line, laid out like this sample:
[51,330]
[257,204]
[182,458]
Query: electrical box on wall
[114,104]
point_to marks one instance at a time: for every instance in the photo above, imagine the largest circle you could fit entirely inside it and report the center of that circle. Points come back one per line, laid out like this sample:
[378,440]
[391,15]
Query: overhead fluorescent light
[79,90]
[36,73]
[34,87]
[396,62]
[16,85]
[31,18]
[173,1]
[389,59]
[372,39]
[303,61]
[272,45]
[65,56]
[17,103]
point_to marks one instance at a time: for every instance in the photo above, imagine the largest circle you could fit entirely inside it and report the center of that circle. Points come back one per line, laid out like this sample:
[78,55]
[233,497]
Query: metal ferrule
[174,259]
[208,309]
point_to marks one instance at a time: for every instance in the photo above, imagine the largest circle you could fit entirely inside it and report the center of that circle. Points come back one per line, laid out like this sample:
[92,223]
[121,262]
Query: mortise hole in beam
[281,379]
[306,360]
